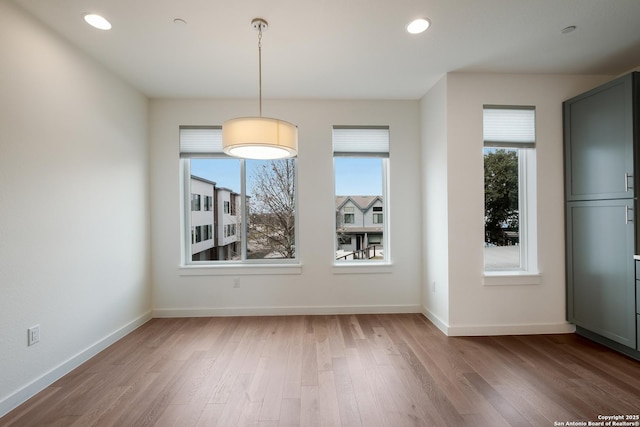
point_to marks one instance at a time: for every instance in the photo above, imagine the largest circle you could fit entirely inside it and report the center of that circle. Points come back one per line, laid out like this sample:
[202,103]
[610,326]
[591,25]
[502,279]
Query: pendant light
[259,137]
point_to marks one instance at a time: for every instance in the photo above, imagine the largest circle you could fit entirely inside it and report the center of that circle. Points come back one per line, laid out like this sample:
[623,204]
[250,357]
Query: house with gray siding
[359,224]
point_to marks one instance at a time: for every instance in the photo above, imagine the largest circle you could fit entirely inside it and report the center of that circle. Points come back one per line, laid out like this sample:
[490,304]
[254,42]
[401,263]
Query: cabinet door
[600,268]
[599,142]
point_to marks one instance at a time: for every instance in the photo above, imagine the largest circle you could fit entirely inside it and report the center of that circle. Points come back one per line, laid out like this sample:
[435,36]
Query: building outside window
[361,156]
[509,189]
[253,214]
[201,221]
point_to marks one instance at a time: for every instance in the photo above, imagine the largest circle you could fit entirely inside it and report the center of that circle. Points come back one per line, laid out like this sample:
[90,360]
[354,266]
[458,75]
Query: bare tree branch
[272,222]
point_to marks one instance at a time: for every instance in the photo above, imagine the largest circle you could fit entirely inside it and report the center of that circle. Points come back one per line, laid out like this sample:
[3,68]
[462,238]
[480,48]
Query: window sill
[240,270]
[362,267]
[511,278]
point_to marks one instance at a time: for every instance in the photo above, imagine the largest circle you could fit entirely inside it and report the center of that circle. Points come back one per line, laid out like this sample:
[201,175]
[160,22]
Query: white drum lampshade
[259,138]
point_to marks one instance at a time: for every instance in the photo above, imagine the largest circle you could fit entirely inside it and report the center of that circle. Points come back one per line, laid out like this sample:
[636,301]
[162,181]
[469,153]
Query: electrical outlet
[33,335]
[236,282]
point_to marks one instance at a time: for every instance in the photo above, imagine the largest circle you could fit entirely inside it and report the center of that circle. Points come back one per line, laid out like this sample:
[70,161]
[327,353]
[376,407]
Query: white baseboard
[285,311]
[22,395]
[520,329]
[481,330]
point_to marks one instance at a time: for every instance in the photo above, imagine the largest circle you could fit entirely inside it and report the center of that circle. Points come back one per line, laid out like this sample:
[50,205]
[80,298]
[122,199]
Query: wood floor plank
[309,409]
[513,372]
[210,415]
[309,361]
[27,414]
[176,416]
[323,347]
[234,367]
[538,408]
[440,375]
[508,412]
[196,376]
[373,376]
[293,372]
[328,399]
[127,401]
[347,402]
[427,386]
[554,382]
[272,402]
[414,408]
[336,340]
[334,370]
[289,413]
[345,330]
[368,409]
[232,410]
[105,405]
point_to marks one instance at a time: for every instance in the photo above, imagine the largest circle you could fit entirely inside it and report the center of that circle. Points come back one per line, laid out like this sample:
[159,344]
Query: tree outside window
[501,197]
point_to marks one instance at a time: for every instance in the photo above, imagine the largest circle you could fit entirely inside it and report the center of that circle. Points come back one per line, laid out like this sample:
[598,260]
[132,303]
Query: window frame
[527,206]
[257,266]
[381,152]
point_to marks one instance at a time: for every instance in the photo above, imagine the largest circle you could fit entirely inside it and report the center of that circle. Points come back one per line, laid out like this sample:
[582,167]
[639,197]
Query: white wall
[74,252]
[435,238]
[473,307]
[317,288]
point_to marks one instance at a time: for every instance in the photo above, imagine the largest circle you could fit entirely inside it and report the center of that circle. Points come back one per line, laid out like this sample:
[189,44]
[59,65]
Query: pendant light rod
[259,25]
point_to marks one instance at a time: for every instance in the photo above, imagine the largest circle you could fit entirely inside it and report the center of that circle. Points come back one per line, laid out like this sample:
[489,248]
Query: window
[198,234]
[229,230]
[509,189]
[377,214]
[253,203]
[345,240]
[360,159]
[375,240]
[234,204]
[208,203]
[349,216]
[195,202]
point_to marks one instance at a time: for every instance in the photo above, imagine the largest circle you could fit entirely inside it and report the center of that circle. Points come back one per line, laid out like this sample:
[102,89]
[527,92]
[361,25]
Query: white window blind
[509,126]
[361,141]
[200,141]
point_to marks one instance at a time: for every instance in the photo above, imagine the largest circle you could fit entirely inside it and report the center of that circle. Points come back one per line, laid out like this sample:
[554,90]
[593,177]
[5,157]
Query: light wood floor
[358,370]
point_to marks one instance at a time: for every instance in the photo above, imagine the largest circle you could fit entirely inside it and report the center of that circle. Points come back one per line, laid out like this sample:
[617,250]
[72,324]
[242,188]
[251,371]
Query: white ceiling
[342,49]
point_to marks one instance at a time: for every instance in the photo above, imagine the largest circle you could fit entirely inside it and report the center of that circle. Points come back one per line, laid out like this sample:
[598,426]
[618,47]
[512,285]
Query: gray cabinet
[601,148]
[599,152]
[601,268]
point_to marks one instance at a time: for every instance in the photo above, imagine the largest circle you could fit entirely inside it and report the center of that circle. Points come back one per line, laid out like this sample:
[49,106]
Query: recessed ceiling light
[418,26]
[97,21]
[569,29]
[179,21]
